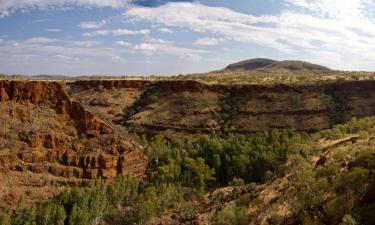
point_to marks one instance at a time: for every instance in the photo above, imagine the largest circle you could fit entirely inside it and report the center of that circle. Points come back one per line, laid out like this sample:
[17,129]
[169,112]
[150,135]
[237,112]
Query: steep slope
[48,141]
[173,107]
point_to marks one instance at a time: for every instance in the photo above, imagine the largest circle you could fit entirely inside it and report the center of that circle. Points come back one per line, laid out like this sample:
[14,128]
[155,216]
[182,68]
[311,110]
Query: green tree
[97,203]
[79,216]
[24,216]
[147,205]
[50,214]
[122,191]
[198,173]
[169,173]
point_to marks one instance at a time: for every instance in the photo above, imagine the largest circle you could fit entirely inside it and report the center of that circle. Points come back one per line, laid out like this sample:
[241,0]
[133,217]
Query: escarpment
[179,107]
[48,141]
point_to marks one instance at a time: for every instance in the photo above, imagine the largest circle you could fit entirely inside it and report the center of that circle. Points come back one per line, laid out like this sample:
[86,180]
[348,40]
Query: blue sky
[143,37]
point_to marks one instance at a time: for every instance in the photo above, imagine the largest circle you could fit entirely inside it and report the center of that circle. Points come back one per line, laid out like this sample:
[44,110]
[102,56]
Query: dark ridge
[269,64]
[251,64]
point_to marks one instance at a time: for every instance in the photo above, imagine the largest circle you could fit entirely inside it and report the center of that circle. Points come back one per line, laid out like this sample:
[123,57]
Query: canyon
[70,133]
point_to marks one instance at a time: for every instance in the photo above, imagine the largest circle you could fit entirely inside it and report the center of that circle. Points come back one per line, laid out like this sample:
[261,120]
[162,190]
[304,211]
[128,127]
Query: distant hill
[50,77]
[251,64]
[271,65]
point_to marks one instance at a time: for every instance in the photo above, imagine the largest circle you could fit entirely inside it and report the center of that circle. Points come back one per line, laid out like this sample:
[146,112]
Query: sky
[145,37]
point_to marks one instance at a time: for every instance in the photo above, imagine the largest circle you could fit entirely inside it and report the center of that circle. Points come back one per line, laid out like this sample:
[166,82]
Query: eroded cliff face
[176,107]
[48,141]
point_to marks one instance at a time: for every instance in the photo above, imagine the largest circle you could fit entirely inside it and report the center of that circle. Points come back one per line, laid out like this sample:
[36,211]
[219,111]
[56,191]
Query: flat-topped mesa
[44,132]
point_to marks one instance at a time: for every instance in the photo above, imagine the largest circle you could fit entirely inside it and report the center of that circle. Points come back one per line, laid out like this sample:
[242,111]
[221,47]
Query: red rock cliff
[45,132]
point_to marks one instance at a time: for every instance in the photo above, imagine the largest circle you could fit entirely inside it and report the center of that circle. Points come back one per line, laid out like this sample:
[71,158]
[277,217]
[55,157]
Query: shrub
[337,207]
[232,216]
[237,182]
[327,171]
[354,179]
[366,159]
[5,219]
[348,220]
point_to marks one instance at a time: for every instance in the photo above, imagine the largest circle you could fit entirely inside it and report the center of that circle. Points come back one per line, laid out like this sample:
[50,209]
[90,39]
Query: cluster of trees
[215,161]
[94,205]
[364,127]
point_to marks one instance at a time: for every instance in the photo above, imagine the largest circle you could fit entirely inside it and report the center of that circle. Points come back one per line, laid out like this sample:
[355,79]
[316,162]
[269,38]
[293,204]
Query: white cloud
[62,57]
[9,6]
[166,30]
[120,32]
[123,43]
[87,43]
[191,57]
[40,40]
[306,27]
[147,47]
[44,48]
[97,33]
[118,59]
[206,41]
[58,56]
[334,9]
[217,20]
[92,24]
[117,32]
[53,30]
[162,47]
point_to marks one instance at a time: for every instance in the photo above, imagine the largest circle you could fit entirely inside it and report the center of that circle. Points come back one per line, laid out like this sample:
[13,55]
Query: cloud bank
[319,29]
[336,33]
[9,6]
